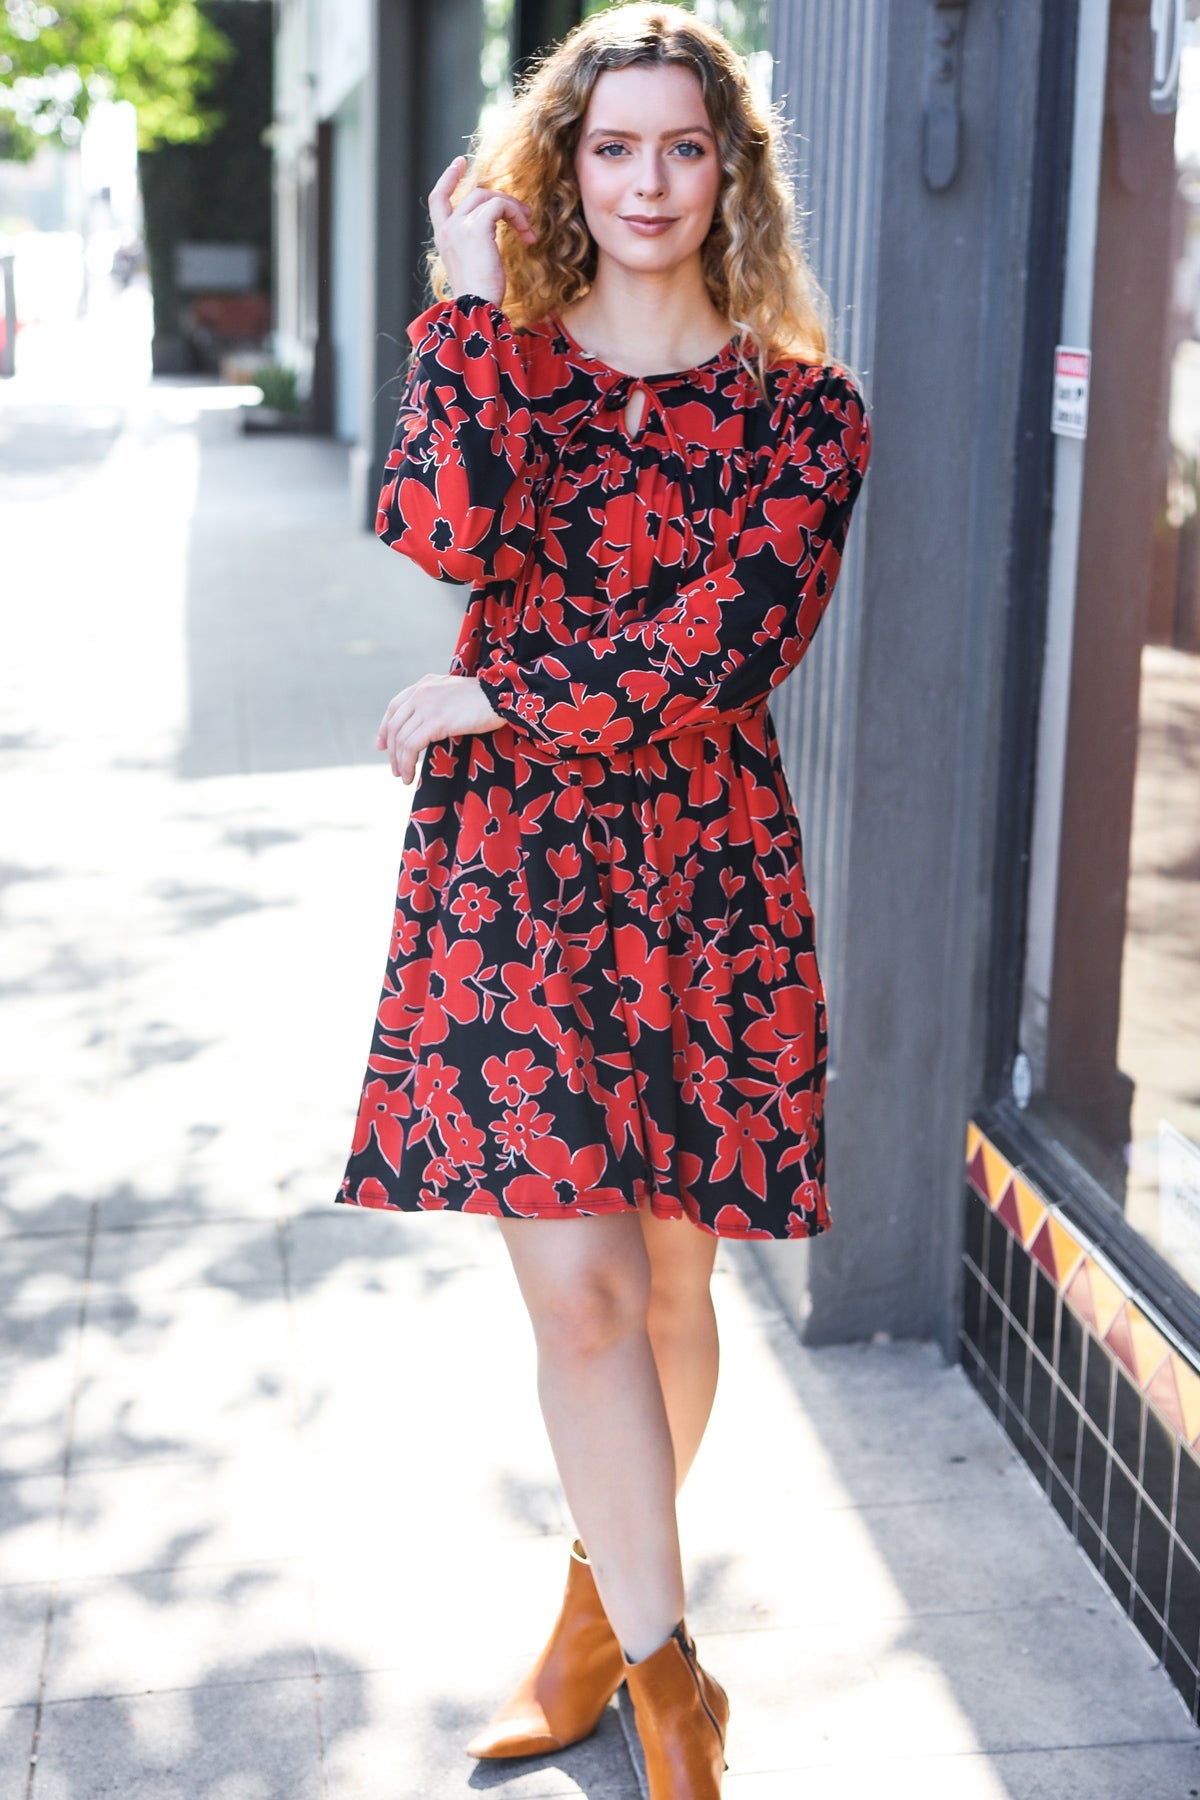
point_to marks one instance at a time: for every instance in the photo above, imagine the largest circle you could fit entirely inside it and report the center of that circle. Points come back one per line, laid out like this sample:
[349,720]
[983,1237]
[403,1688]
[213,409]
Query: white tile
[160,1258]
[201,1372]
[245,1741]
[38,1356]
[16,1742]
[29,1527]
[39,1271]
[402,1736]
[179,1628]
[166,1515]
[471,1599]
[23,1611]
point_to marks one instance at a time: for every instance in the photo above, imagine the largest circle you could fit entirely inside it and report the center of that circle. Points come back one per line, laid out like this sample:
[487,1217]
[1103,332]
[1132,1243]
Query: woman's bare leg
[587,1284]
[683,1328]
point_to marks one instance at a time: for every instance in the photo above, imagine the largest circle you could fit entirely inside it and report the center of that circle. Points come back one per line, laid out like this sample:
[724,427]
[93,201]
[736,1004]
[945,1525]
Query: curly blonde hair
[752,260]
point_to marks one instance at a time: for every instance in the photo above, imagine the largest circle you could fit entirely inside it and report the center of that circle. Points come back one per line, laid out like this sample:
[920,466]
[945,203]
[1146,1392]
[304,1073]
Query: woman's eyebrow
[683,131]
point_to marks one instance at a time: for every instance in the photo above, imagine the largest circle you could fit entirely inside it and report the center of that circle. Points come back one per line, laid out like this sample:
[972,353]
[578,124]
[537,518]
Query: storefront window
[1113,1031]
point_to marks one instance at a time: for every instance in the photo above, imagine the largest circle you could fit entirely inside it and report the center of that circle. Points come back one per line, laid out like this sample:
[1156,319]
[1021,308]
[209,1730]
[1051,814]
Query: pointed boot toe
[681,1713]
[563,1696]
[517,1730]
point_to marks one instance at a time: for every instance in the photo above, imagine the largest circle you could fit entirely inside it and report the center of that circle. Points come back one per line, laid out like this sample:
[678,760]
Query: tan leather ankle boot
[681,1714]
[563,1695]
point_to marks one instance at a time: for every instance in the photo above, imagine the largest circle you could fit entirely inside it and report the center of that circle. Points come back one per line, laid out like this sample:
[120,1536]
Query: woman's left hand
[437,706]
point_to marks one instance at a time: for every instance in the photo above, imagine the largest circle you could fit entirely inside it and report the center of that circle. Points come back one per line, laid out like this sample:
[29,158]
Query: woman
[602,1003]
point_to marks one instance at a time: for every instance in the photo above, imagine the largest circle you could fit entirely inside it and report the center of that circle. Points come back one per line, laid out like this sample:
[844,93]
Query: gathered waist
[687,749]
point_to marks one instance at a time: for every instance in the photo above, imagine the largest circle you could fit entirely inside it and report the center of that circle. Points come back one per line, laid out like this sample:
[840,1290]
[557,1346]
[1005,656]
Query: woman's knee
[680,1309]
[591,1313]
[681,1266]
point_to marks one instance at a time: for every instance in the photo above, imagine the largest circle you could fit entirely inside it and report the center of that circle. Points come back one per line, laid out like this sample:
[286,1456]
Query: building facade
[373,98]
[994,743]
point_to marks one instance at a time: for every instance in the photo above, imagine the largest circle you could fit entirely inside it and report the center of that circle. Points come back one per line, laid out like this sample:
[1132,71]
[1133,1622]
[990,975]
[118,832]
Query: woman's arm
[457,499]
[458,490]
[733,634]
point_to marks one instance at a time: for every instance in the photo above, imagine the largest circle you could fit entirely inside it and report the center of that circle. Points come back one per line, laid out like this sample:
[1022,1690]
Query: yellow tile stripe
[996,1170]
[1107,1297]
[1032,1210]
[1067,1249]
[1150,1349]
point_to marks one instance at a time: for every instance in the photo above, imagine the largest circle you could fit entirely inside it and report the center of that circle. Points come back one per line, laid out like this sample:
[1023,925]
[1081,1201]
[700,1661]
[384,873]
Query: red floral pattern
[603,986]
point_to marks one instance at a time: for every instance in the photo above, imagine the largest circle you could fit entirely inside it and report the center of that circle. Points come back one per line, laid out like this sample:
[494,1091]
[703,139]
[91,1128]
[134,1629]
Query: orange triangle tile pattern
[1170,1383]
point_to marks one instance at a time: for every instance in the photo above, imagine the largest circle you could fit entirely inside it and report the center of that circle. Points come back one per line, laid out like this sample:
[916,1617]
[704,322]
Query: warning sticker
[1072,375]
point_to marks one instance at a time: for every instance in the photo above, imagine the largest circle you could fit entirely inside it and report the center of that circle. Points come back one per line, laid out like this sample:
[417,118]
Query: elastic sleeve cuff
[462,304]
[508,695]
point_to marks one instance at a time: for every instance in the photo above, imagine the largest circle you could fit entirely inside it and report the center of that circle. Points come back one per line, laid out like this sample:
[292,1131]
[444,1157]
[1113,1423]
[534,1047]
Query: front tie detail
[678,505]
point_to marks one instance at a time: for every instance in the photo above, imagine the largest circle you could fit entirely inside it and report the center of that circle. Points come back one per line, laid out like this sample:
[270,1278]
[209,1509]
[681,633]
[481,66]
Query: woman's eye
[686,144]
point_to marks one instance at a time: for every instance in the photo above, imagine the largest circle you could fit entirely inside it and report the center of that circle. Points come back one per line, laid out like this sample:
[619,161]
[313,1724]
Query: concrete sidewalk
[277,1514]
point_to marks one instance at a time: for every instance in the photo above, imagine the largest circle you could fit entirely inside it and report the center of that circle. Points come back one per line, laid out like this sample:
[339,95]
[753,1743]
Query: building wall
[837,160]
[829,71]
[349,269]
[399,85]
[890,730]
[293,136]
[322,49]
[215,194]
[342,33]
[422,100]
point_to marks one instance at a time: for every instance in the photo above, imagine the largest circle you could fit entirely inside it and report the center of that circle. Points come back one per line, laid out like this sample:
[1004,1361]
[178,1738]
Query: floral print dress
[603,988]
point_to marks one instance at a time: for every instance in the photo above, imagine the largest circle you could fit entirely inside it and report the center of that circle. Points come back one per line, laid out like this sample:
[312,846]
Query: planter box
[270,419]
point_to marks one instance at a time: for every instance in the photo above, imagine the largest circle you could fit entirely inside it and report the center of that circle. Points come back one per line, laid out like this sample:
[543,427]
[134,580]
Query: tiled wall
[1105,1410]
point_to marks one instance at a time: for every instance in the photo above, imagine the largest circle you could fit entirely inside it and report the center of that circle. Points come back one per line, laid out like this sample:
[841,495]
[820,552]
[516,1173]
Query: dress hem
[602,1210]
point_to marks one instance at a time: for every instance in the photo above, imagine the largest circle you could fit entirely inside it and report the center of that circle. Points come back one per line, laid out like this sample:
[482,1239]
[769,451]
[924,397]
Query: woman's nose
[651,180]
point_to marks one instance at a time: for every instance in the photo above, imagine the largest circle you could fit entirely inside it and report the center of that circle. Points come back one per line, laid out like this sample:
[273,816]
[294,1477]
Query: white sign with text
[1072,376]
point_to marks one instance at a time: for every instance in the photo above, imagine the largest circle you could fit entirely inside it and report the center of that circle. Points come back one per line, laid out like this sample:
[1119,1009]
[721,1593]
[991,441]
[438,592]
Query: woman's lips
[649,228]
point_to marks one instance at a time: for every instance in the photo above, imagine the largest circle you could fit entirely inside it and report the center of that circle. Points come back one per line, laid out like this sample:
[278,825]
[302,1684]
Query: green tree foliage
[55,60]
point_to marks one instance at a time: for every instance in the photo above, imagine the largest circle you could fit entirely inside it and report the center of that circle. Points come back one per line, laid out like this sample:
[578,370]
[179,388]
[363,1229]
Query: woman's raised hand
[466,234]
[437,706]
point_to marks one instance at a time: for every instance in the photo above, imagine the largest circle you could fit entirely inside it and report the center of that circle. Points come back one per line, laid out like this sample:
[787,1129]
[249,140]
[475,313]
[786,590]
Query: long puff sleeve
[457,495]
[731,635]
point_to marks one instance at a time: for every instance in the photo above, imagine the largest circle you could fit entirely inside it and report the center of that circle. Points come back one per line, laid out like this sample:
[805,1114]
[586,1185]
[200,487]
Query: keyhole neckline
[719,356]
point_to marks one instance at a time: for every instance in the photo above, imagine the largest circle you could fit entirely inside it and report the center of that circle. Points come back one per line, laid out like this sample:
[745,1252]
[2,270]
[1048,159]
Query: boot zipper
[689,1655]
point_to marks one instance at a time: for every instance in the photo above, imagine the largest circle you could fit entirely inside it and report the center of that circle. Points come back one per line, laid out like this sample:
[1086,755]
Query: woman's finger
[479,196]
[519,220]
[394,720]
[406,737]
[394,746]
[393,707]
[406,761]
[492,207]
[390,711]
[502,211]
[439,194]
[434,708]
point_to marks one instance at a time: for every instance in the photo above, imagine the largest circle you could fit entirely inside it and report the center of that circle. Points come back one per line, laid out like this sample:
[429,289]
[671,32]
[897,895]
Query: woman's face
[647,150]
